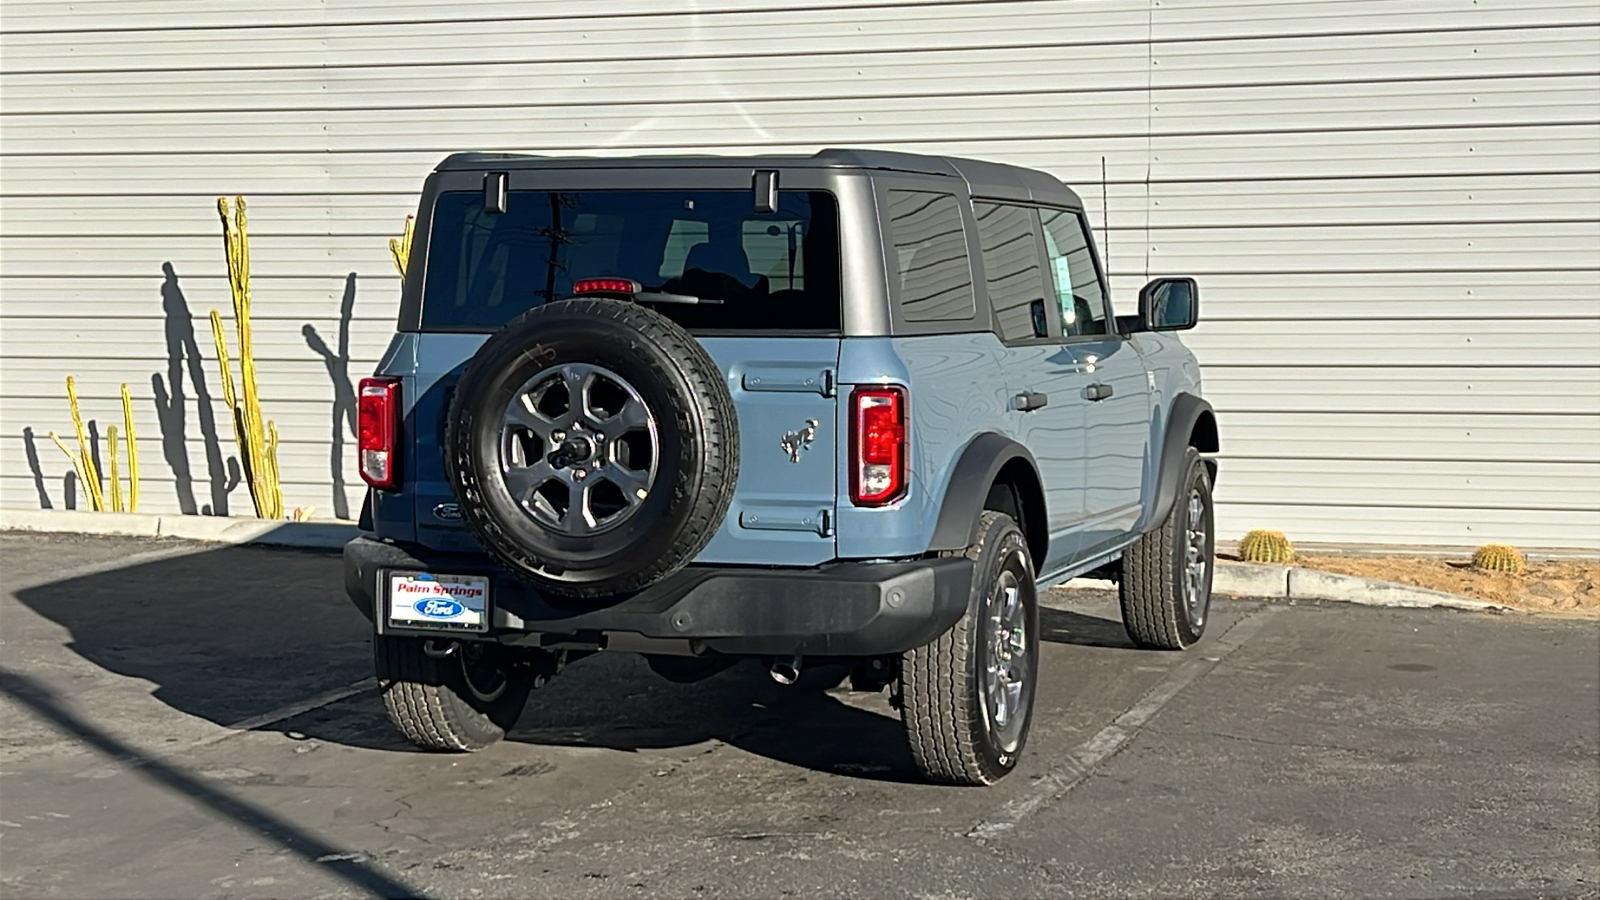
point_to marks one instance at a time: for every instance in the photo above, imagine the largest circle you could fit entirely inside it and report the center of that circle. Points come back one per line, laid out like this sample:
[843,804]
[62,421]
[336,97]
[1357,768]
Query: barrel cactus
[1500,558]
[1266,547]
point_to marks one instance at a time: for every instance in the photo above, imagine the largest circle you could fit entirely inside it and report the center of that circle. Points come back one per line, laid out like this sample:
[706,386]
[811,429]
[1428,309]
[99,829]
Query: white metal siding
[1393,206]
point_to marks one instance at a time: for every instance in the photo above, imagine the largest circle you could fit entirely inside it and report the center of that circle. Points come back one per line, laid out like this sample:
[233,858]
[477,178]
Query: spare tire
[593,447]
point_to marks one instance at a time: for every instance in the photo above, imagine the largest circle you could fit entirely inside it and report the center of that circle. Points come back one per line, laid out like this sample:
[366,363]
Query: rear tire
[464,701]
[1166,574]
[967,698]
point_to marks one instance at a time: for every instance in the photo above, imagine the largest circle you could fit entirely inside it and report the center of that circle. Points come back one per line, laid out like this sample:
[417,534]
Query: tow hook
[431,647]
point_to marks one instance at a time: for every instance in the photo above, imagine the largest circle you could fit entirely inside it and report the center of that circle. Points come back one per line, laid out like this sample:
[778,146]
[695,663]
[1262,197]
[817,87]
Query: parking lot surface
[187,720]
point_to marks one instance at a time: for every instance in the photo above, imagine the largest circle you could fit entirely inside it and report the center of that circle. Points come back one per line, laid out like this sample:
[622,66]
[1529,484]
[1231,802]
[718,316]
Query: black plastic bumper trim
[841,609]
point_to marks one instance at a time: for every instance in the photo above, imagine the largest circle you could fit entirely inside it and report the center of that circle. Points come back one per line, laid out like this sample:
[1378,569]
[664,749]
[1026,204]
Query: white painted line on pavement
[289,711]
[272,717]
[1112,738]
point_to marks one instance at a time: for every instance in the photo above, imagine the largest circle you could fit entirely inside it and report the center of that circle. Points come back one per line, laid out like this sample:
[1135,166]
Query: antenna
[1105,226]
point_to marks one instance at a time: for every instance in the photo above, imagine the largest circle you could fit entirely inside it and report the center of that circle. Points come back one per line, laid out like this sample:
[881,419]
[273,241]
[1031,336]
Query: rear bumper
[841,609]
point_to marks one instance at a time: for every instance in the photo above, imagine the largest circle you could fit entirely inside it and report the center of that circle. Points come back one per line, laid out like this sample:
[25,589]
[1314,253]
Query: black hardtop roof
[984,179]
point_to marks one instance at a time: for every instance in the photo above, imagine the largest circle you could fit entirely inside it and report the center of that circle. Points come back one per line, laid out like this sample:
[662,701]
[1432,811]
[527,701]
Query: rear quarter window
[930,257]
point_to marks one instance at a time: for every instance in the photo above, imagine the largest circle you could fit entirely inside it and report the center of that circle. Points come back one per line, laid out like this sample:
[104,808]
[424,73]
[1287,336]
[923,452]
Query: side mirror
[1169,304]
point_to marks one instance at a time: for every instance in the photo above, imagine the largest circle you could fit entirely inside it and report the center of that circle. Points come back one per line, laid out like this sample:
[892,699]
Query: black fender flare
[1188,411]
[973,475]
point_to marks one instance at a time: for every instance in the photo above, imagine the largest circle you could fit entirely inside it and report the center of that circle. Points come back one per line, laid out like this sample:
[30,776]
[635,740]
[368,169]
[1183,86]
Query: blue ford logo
[438,608]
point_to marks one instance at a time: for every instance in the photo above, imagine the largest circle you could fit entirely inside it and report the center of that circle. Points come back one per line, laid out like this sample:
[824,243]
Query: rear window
[770,271]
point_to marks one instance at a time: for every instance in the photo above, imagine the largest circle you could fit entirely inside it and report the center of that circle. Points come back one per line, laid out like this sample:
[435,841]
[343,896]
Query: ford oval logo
[447,512]
[439,608]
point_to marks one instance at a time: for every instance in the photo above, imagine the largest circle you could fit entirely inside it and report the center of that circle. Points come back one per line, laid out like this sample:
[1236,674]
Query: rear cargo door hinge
[790,379]
[777,518]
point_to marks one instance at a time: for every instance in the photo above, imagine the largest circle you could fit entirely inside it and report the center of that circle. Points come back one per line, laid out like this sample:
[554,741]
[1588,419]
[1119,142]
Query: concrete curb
[322,535]
[1294,583]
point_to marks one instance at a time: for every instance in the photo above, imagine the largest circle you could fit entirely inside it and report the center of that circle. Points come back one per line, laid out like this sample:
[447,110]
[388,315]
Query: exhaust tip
[786,671]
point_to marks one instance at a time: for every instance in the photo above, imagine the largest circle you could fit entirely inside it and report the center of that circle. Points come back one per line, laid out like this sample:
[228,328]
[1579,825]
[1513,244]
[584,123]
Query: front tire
[967,698]
[1166,574]
[463,701]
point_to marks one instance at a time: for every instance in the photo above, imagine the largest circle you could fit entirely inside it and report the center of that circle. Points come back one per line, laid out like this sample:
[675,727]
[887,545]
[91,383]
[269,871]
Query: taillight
[378,418]
[878,445]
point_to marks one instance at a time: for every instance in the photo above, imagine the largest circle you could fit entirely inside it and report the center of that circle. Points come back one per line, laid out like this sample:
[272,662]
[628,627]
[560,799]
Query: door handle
[1097,391]
[1027,401]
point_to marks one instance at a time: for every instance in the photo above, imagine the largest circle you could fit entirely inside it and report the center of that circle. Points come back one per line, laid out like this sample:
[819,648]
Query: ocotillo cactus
[1500,558]
[1266,547]
[250,431]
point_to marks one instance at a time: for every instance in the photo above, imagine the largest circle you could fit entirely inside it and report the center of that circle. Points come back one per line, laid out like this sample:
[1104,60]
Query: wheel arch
[994,473]
[1191,423]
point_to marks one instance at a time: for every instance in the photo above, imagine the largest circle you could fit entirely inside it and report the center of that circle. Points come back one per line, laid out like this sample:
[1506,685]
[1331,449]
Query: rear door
[1043,378]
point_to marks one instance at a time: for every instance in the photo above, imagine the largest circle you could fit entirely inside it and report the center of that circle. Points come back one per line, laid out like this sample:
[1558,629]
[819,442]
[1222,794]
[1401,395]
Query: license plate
[445,602]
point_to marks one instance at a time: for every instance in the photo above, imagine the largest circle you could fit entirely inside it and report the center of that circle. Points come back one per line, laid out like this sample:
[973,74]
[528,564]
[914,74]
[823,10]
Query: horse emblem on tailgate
[795,442]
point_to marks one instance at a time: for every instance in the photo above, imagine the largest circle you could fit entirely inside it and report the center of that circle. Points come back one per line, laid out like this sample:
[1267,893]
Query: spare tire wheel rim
[579,449]
[1005,675]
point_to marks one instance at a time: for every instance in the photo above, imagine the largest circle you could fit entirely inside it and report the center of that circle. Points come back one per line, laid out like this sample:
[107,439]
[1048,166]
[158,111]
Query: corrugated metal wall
[1391,204]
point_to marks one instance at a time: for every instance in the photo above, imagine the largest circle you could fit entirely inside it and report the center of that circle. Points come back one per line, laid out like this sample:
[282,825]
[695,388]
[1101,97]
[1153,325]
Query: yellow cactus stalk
[1262,546]
[250,430]
[1500,558]
[76,466]
[89,473]
[111,469]
[400,247]
[133,452]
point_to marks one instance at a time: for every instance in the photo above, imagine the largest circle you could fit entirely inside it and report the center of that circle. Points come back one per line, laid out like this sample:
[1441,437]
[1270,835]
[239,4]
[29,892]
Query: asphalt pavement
[190,720]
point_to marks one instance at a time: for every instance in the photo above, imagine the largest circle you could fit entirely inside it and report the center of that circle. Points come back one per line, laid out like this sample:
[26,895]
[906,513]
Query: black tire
[464,701]
[1156,608]
[954,737]
[696,455]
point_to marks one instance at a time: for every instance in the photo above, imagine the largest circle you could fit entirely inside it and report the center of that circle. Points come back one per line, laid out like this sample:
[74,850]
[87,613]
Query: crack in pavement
[1114,737]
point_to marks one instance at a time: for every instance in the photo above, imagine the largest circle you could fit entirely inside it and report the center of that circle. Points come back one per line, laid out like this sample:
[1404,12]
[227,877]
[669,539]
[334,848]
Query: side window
[1011,270]
[1077,282]
[930,247]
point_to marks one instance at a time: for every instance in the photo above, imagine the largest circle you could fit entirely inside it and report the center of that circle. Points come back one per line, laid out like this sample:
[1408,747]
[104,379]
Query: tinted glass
[1010,267]
[776,270]
[1077,281]
[930,246]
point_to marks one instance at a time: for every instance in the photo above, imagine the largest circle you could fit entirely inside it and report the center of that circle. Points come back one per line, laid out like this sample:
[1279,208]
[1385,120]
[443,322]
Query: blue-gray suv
[859,406]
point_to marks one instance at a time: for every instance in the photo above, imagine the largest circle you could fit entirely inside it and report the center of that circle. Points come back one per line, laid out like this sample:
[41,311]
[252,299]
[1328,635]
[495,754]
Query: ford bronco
[853,407]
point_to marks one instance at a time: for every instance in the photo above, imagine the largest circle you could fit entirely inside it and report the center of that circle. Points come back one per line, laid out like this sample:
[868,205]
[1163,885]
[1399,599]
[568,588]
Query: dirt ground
[1560,585]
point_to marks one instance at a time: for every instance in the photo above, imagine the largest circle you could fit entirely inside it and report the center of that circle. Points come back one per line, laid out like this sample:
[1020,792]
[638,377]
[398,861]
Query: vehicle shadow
[1061,626]
[616,702]
[231,633]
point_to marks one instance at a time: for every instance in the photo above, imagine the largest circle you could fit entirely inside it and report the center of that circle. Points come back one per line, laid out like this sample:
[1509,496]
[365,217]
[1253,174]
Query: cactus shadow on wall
[31,449]
[183,358]
[344,393]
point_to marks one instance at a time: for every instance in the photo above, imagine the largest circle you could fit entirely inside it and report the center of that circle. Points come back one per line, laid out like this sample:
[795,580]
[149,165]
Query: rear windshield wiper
[686,299]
